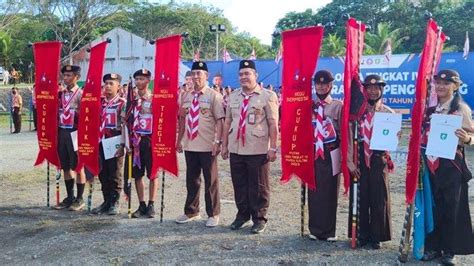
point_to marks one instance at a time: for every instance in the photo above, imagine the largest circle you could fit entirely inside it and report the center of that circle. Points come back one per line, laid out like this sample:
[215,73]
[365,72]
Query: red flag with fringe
[164,104]
[47,55]
[427,68]
[355,32]
[88,132]
[300,55]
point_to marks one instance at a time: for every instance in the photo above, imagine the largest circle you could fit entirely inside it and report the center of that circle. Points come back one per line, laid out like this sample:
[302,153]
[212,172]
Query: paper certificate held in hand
[111,145]
[442,141]
[385,131]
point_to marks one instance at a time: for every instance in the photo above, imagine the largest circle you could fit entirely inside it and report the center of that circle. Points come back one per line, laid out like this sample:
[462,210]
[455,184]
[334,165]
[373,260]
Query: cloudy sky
[258,17]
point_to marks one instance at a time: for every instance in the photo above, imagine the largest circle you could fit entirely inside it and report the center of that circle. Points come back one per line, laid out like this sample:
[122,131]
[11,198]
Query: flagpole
[58,177]
[302,209]
[162,196]
[129,185]
[47,186]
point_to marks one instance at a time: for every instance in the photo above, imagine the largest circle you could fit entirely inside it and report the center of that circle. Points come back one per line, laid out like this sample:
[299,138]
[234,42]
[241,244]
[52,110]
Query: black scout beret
[112,76]
[71,68]
[449,75]
[374,80]
[142,72]
[199,65]
[247,64]
[323,76]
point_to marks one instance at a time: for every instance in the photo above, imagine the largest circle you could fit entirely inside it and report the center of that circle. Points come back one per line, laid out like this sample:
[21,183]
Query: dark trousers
[16,117]
[374,201]
[197,162]
[110,176]
[251,186]
[452,232]
[322,202]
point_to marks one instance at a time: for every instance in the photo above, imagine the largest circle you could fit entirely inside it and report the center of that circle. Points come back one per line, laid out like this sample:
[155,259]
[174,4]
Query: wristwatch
[469,141]
[218,141]
[273,149]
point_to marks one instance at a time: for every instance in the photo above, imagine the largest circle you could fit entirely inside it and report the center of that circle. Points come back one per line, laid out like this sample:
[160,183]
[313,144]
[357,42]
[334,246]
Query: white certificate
[336,161]
[385,131]
[441,140]
[111,145]
[74,140]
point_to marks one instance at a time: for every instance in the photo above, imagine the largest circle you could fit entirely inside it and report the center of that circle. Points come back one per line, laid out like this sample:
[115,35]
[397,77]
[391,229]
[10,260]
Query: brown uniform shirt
[263,105]
[210,111]
[333,110]
[17,100]
[74,104]
[465,112]
[117,109]
[378,107]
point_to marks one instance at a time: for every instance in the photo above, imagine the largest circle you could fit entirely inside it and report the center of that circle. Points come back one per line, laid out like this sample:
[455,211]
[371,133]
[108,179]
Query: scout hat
[112,76]
[142,72]
[323,76]
[449,75]
[71,68]
[247,64]
[199,65]
[374,80]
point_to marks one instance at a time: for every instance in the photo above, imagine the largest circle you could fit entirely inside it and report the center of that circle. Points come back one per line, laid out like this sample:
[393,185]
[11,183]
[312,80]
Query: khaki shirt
[17,100]
[210,111]
[378,107]
[76,102]
[264,106]
[465,112]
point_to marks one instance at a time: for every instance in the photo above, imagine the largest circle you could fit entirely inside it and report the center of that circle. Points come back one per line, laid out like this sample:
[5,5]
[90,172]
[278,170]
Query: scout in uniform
[322,202]
[249,140]
[17,104]
[372,172]
[69,102]
[452,232]
[200,130]
[141,145]
[110,175]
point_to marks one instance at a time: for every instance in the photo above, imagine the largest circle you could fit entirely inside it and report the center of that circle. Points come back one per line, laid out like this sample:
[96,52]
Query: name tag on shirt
[111,118]
[145,124]
[329,131]
[66,121]
[147,104]
[251,119]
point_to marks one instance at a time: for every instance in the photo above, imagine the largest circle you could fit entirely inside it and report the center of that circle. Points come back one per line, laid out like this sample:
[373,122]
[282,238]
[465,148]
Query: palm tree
[5,44]
[333,46]
[377,42]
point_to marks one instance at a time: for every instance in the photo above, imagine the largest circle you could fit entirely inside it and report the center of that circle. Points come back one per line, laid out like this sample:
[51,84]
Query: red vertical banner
[90,110]
[427,68]
[164,105]
[300,55]
[47,55]
[355,32]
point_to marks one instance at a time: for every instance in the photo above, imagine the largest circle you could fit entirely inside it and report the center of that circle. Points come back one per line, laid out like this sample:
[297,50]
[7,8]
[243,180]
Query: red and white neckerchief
[319,131]
[193,117]
[366,133]
[243,116]
[107,105]
[66,101]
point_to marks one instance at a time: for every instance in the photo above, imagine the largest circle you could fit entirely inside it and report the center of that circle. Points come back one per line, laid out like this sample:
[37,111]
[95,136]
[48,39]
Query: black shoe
[150,211]
[237,224]
[102,208]
[430,255]
[448,259]
[141,211]
[376,245]
[114,209]
[65,204]
[259,228]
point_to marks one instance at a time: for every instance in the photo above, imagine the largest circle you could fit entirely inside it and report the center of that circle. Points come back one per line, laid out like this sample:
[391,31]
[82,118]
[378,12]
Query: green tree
[333,46]
[376,42]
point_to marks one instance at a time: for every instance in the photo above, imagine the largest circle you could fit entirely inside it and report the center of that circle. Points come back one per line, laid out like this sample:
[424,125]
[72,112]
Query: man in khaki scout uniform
[69,102]
[250,139]
[200,129]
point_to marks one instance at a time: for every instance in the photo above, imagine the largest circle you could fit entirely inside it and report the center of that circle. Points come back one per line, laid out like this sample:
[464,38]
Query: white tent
[124,55]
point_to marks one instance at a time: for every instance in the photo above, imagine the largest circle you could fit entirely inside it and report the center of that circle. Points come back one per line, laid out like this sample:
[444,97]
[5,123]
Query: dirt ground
[31,233]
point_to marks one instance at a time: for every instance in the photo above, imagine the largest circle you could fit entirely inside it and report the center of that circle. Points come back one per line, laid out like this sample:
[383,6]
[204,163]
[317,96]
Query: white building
[124,55]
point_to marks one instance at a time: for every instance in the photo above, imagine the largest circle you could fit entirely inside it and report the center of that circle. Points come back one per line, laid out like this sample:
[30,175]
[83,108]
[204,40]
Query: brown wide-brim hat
[449,75]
